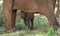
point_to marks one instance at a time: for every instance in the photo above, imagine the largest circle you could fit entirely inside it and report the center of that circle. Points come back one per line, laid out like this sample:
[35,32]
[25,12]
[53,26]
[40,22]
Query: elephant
[44,7]
[28,18]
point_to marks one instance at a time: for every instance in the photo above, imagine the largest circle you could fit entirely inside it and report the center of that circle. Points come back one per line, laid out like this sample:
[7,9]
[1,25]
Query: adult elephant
[44,7]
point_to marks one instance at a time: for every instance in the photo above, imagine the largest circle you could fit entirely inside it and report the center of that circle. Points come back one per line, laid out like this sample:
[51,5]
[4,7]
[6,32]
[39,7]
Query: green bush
[51,32]
[1,16]
[38,21]
[20,24]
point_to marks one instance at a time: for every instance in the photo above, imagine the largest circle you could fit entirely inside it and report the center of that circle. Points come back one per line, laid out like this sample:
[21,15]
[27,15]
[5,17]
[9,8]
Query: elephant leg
[8,20]
[14,19]
[27,24]
[7,12]
[56,22]
[32,23]
[52,21]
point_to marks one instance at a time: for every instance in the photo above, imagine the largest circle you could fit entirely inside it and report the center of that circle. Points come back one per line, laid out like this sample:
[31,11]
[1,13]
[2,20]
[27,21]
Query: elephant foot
[26,28]
[8,31]
[13,30]
[32,28]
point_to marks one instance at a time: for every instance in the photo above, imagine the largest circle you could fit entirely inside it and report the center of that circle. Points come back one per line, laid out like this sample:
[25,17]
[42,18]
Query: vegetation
[41,29]
[1,18]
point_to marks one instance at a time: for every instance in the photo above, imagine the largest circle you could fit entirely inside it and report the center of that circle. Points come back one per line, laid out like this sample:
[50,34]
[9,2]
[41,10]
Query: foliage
[51,32]
[20,24]
[59,11]
[1,16]
[40,20]
[36,32]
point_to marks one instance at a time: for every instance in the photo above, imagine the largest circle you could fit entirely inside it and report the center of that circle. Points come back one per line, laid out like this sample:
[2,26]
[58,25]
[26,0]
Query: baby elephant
[28,18]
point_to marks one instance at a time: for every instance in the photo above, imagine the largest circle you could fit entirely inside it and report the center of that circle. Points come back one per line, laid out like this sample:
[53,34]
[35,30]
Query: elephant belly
[34,5]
